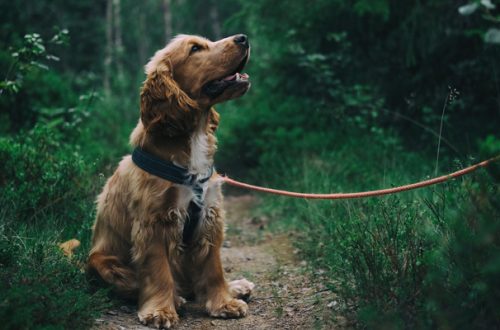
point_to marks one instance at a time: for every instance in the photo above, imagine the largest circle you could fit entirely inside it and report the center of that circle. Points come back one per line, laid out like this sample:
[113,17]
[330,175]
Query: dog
[160,218]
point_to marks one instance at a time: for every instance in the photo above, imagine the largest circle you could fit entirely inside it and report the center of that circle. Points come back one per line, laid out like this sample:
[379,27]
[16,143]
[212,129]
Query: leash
[362,194]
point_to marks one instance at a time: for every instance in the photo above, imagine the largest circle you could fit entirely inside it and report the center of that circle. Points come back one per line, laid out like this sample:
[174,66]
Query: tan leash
[362,194]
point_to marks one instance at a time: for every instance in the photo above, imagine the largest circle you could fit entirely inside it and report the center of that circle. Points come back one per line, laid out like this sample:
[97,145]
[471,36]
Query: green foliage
[28,58]
[405,53]
[28,83]
[41,288]
[489,148]
[41,175]
[46,189]
[48,181]
[421,259]
[463,278]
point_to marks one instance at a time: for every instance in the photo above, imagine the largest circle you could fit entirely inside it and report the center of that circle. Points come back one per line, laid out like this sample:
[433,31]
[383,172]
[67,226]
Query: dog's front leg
[209,283]
[212,286]
[156,283]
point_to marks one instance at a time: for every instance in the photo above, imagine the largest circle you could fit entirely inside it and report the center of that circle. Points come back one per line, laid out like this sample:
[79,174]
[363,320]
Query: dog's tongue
[237,76]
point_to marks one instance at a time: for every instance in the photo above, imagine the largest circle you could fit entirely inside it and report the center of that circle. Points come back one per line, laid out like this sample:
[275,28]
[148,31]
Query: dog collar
[180,175]
[167,170]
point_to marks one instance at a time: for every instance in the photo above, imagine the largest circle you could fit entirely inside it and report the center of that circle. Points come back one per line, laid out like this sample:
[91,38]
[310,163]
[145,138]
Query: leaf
[39,65]
[10,86]
[52,58]
[61,37]
[488,4]
[468,9]
[492,36]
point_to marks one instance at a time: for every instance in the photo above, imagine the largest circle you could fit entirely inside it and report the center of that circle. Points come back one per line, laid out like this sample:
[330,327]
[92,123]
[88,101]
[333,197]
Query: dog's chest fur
[202,149]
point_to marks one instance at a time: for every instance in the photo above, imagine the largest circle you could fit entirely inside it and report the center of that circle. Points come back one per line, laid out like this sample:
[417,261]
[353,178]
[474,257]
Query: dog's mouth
[234,79]
[237,75]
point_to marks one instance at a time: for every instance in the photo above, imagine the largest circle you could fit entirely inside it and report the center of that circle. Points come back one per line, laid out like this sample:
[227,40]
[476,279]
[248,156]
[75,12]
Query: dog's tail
[68,247]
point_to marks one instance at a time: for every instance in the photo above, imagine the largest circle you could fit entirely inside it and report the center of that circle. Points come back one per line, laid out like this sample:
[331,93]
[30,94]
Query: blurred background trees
[346,95]
[408,55]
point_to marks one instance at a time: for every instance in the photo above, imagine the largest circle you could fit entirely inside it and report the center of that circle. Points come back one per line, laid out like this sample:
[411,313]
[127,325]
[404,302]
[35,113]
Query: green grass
[421,259]
[41,288]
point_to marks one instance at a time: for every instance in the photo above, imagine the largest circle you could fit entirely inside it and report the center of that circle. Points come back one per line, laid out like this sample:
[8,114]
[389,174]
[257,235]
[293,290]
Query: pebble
[112,312]
[126,309]
[320,272]
[332,304]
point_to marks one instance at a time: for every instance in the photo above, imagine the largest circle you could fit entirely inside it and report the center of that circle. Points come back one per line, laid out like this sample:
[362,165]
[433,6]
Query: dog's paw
[164,318]
[232,308]
[241,289]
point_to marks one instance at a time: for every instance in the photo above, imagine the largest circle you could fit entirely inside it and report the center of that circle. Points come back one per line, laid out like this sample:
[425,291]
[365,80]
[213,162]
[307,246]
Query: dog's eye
[195,48]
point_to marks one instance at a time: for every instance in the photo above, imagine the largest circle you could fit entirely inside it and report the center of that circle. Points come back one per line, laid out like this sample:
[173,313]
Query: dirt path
[284,296]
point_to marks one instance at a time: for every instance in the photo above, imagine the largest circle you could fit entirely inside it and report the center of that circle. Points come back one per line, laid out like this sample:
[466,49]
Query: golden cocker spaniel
[160,218]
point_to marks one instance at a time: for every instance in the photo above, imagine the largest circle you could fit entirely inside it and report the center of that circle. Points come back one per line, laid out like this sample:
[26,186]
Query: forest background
[346,96]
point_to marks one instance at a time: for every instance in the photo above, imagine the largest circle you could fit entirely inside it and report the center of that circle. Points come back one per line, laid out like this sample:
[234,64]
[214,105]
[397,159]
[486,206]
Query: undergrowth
[420,259]
[49,177]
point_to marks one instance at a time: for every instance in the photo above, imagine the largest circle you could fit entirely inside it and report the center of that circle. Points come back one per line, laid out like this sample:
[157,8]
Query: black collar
[166,170]
[180,175]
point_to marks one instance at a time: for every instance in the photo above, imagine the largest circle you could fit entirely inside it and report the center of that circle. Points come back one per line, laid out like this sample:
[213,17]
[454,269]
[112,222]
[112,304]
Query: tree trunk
[142,43]
[118,42]
[179,26]
[214,20]
[167,17]
[108,54]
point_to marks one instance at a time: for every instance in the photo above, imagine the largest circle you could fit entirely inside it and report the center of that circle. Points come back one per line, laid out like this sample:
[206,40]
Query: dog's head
[191,74]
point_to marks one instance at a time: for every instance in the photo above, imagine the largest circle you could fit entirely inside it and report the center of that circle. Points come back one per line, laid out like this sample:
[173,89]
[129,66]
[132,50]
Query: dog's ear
[164,106]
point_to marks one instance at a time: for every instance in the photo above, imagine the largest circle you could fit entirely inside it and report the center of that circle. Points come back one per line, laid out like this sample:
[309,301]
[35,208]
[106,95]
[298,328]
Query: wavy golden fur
[137,241]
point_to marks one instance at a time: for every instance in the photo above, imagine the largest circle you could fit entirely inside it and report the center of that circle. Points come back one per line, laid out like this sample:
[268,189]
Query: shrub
[47,191]
[41,175]
[462,284]
[41,288]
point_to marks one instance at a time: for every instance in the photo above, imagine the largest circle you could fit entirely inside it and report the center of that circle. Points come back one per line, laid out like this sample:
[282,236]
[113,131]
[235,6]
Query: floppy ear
[165,107]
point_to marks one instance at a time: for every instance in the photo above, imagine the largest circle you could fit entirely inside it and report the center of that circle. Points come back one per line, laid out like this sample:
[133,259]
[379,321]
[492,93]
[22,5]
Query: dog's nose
[241,39]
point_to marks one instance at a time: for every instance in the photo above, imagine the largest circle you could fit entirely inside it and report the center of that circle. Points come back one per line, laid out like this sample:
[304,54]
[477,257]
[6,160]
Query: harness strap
[180,175]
